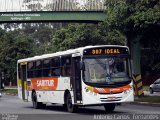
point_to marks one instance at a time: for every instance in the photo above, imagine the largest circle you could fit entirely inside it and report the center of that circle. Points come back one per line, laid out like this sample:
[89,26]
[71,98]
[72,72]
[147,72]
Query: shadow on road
[81,110]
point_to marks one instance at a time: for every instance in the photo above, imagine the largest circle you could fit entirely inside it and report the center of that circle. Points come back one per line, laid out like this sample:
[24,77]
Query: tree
[13,48]
[136,19]
[132,17]
[79,35]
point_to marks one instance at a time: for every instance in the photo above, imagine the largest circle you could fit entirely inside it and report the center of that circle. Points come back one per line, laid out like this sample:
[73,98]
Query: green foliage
[78,35]
[18,41]
[149,99]
[132,16]
[13,48]
[115,37]
[125,19]
[10,91]
[137,18]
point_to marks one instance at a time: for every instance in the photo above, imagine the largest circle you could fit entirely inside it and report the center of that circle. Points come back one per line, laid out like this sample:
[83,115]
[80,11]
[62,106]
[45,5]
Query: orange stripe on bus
[111,90]
[49,83]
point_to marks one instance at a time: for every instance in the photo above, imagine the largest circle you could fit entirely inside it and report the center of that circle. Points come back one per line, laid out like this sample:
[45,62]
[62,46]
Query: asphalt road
[12,108]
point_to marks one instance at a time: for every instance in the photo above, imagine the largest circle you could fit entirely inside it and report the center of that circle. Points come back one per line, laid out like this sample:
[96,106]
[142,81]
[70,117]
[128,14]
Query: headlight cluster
[128,90]
[90,91]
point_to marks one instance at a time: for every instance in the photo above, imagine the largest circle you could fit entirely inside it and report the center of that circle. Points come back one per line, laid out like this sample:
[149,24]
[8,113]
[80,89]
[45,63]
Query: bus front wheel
[70,106]
[109,107]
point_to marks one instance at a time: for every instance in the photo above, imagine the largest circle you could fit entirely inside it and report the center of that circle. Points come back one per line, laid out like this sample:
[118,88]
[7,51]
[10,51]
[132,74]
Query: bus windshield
[106,70]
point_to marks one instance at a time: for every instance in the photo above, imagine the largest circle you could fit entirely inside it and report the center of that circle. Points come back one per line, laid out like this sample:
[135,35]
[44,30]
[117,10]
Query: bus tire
[43,106]
[65,106]
[70,106]
[35,103]
[109,107]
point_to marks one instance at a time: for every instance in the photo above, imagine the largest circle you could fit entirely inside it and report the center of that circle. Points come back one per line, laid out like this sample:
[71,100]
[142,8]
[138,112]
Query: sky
[10,5]
[17,5]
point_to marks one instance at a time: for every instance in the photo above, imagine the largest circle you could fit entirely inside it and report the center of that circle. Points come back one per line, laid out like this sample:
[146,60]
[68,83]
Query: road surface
[12,108]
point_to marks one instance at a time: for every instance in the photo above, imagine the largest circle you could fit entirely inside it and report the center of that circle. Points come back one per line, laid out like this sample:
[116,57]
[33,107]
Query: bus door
[76,79]
[24,79]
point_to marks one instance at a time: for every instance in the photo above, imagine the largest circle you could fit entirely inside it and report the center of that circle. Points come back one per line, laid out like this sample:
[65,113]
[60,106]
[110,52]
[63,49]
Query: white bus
[91,75]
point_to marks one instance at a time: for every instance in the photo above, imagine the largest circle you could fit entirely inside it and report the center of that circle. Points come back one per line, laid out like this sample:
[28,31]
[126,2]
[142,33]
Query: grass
[150,99]
[10,91]
[145,88]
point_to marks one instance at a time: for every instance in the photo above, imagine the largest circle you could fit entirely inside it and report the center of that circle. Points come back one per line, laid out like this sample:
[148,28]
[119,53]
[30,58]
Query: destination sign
[106,51]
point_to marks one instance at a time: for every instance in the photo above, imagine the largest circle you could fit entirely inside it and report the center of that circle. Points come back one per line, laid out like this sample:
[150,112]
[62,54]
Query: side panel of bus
[70,79]
[48,94]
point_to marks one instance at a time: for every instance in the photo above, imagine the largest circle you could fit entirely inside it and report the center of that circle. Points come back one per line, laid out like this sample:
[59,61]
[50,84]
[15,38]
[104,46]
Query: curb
[13,94]
[10,88]
[146,104]
[8,93]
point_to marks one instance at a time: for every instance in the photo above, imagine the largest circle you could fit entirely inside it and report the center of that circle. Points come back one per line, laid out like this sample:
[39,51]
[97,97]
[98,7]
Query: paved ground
[11,106]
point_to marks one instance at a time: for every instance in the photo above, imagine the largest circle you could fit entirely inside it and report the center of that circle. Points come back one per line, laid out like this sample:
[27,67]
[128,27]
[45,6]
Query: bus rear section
[92,75]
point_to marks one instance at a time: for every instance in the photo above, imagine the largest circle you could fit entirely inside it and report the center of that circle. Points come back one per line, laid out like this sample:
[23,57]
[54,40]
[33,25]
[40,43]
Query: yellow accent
[135,90]
[89,88]
[23,63]
[140,92]
[138,77]
[139,85]
[136,86]
[19,82]
[25,85]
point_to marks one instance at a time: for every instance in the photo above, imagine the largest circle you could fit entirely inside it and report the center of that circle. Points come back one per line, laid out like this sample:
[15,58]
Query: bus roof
[70,51]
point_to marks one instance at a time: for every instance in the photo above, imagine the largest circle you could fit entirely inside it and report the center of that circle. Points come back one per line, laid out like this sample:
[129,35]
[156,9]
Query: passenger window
[30,68]
[56,71]
[55,62]
[46,68]
[38,71]
[46,63]
[30,65]
[55,66]
[39,64]
[66,65]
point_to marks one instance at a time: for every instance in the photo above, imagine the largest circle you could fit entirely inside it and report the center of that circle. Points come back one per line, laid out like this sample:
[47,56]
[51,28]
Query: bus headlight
[126,91]
[90,92]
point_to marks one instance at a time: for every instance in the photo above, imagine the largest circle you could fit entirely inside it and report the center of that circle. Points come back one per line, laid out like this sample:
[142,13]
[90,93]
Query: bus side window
[30,68]
[46,68]
[55,66]
[55,71]
[66,66]
[38,70]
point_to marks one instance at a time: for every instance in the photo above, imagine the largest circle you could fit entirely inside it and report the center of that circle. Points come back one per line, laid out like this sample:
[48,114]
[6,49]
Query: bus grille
[110,99]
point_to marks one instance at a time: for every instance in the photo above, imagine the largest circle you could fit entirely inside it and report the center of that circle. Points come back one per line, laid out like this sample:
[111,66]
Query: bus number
[96,51]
